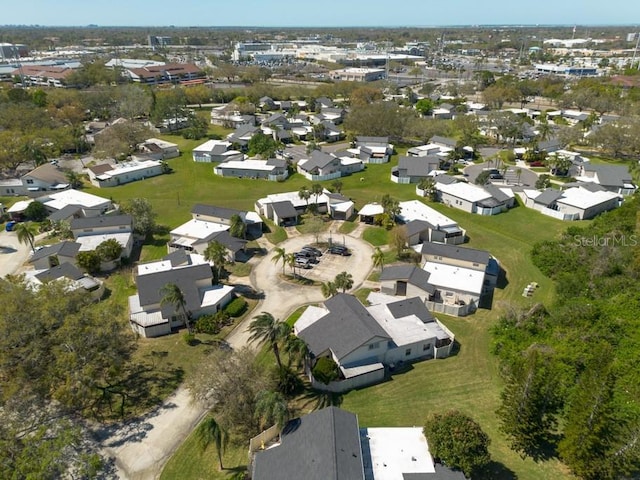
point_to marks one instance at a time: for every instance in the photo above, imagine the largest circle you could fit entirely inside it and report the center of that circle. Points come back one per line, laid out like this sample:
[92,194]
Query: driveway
[13,254]
[527,177]
[141,447]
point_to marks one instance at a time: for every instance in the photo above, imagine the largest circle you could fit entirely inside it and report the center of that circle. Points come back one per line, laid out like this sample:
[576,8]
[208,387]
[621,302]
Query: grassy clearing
[239,269]
[347,227]
[276,233]
[376,236]
[306,225]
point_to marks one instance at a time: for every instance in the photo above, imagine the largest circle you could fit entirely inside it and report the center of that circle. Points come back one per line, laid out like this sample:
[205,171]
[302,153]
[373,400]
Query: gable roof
[48,173]
[102,221]
[449,142]
[610,175]
[284,209]
[64,249]
[323,445]
[100,169]
[318,160]
[417,226]
[347,326]
[230,242]
[453,251]
[64,270]
[214,211]
[548,196]
[412,274]
[64,213]
[177,257]
[411,306]
[418,166]
[151,284]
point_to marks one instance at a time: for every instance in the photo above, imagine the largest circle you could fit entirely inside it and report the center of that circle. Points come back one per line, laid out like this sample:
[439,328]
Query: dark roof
[347,326]
[324,101]
[242,130]
[610,175]
[445,179]
[284,209]
[548,196]
[64,270]
[454,251]
[496,193]
[412,274]
[551,144]
[214,211]
[418,166]
[318,160]
[100,169]
[277,162]
[411,306]
[230,242]
[64,249]
[177,257]
[102,221]
[276,118]
[449,142]
[323,445]
[417,226]
[151,284]
[48,173]
[64,213]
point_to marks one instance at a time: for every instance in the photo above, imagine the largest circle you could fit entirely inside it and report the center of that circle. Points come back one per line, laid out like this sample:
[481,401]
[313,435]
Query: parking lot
[329,265]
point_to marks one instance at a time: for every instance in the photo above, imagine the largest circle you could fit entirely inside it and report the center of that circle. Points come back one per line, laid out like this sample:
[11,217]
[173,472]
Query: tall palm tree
[271,407]
[172,294]
[329,289]
[210,431]
[290,260]
[216,253]
[378,258]
[265,328]
[295,348]
[344,280]
[305,194]
[27,232]
[280,254]
[316,190]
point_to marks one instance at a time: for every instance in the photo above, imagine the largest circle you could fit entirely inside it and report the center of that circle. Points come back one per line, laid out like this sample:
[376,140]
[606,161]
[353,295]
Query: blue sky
[321,12]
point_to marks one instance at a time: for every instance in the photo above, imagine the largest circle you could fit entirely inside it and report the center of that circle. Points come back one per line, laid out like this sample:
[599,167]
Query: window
[476,264]
[29,181]
[373,346]
[426,346]
[407,352]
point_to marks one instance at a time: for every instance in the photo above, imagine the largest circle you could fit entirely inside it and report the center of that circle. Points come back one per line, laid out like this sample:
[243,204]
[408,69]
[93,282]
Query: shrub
[236,307]
[289,383]
[211,323]
[325,370]
[189,338]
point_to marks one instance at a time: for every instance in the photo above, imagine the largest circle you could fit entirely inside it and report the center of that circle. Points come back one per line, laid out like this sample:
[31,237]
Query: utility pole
[635,52]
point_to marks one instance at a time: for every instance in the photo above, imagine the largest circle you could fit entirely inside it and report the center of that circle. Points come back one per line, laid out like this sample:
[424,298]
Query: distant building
[156,41]
[10,51]
[358,74]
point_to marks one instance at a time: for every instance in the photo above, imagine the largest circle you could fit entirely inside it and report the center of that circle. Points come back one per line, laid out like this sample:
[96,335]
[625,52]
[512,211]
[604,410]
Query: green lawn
[276,233]
[347,227]
[376,236]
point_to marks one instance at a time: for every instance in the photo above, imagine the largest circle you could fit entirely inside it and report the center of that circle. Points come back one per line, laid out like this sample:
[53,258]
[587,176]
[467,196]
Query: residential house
[74,203]
[429,150]
[414,169]
[323,166]
[463,277]
[323,102]
[406,281]
[242,135]
[614,178]
[223,215]
[266,104]
[363,341]
[333,115]
[285,208]
[215,151]
[432,227]
[274,169]
[575,203]
[329,132]
[339,206]
[444,141]
[151,317]
[47,177]
[373,149]
[444,111]
[54,255]
[160,149]
[487,200]
[12,187]
[228,117]
[107,175]
[71,274]
[369,212]
[328,444]
[90,232]
[195,236]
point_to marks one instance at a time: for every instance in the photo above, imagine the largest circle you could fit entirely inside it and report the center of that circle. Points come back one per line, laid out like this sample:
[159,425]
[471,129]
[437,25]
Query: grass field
[469,381]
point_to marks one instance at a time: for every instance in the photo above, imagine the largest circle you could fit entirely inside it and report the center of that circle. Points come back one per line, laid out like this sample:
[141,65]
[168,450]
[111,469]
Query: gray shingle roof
[548,196]
[453,251]
[103,221]
[347,326]
[230,242]
[412,274]
[496,193]
[417,226]
[64,270]
[449,142]
[418,166]
[318,160]
[177,257]
[610,175]
[151,284]
[410,306]
[445,179]
[323,445]
[64,213]
[213,211]
[284,209]
[363,141]
[64,249]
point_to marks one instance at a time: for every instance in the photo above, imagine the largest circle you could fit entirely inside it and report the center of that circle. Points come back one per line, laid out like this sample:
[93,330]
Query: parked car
[314,250]
[339,250]
[10,226]
[496,176]
[303,263]
[307,256]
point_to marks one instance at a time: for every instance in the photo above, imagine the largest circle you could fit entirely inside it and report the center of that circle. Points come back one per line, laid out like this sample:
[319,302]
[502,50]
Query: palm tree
[378,258]
[428,186]
[304,194]
[265,328]
[544,130]
[337,185]
[216,253]
[171,293]
[329,289]
[237,228]
[316,190]
[295,348]
[280,254]
[271,407]
[27,232]
[210,431]
[344,280]
[290,260]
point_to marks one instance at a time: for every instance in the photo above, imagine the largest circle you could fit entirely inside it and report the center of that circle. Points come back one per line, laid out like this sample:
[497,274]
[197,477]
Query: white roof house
[126,172]
[451,277]
[92,205]
[197,230]
[468,191]
[416,210]
[371,210]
